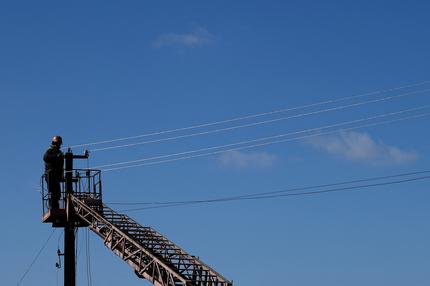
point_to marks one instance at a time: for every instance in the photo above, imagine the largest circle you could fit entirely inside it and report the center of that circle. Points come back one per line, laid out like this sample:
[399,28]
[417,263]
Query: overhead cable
[88,258]
[250,116]
[271,196]
[105,167]
[296,189]
[269,143]
[261,122]
[35,258]
[268,137]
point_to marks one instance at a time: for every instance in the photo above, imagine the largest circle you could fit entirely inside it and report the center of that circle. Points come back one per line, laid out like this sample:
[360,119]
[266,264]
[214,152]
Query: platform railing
[86,184]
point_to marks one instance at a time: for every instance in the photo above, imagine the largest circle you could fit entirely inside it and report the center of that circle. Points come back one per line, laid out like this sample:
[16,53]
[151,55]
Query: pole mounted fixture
[69,228]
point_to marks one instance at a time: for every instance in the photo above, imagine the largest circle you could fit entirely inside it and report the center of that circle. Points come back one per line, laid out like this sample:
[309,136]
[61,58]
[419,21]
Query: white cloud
[240,160]
[197,37]
[356,146]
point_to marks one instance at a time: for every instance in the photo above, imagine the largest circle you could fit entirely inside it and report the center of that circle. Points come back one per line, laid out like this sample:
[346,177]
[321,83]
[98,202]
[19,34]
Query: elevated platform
[85,185]
[56,217]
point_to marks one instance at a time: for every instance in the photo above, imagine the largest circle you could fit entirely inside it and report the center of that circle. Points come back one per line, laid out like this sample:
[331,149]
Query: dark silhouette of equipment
[151,255]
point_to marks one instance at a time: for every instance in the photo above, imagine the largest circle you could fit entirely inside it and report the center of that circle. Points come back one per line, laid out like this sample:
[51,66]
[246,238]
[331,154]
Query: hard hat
[57,140]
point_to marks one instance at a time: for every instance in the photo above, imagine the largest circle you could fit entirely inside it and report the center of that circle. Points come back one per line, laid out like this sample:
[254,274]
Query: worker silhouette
[54,161]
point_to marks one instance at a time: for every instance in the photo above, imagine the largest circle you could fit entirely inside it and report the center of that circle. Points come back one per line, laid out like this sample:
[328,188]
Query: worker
[54,161]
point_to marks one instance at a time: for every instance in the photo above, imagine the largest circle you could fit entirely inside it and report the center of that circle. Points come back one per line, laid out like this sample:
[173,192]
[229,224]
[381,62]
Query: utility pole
[69,228]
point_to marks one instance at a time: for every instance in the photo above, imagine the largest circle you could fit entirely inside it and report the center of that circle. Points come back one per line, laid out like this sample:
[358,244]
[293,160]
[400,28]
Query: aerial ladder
[150,254]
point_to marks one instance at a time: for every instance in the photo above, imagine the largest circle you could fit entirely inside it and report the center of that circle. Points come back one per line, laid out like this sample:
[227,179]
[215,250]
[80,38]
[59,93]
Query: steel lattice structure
[150,254]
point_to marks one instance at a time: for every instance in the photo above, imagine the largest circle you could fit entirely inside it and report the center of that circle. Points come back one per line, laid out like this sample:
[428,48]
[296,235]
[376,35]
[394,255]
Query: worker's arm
[52,156]
[49,156]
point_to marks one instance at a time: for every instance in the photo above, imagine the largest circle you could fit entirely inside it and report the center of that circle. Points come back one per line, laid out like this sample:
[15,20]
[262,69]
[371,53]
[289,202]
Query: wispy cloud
[197,37]
[241,160]
[356,146]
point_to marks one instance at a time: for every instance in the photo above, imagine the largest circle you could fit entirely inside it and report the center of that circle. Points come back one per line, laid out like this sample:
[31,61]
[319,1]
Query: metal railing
[86,184]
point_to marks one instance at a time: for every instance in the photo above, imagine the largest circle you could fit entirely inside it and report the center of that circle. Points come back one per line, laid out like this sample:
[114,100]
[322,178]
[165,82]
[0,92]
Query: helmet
[57,141]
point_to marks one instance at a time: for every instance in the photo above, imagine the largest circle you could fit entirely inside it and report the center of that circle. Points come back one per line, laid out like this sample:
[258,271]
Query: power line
[36,257]
[284,194]
[268,137]
[77,251]
[58,265]
[260,139]
[251,116]
[88,258]
[297,189]
[261,122]
[267,143]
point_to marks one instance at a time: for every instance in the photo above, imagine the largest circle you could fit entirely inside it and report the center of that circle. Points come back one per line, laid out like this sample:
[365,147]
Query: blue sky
[105,69]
